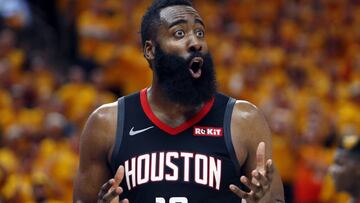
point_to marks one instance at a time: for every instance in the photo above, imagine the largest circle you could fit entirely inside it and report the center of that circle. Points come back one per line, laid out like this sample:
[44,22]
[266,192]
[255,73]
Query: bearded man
[179,140]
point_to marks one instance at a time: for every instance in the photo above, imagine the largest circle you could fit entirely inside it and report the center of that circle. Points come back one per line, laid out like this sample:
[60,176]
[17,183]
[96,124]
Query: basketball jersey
[192,163]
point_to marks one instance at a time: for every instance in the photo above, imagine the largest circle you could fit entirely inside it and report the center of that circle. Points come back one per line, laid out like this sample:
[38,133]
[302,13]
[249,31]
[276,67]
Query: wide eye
[200,33]
[179,34]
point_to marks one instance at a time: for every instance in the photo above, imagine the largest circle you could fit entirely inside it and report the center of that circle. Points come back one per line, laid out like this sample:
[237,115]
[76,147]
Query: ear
[149,50]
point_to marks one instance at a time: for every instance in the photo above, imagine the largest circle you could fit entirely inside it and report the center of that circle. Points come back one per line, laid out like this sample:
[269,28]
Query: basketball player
[179,140]
[346,167]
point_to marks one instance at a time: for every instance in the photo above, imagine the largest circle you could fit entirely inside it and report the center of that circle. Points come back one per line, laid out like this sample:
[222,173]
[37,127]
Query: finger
[253,179]
[256,188]
[240,193]
[105,187]
[119,175]
[260,157]
[112,194]
[124,201]
[269,169]
[261,179]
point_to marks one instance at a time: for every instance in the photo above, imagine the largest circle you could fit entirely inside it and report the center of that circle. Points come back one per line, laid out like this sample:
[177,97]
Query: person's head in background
[346,166]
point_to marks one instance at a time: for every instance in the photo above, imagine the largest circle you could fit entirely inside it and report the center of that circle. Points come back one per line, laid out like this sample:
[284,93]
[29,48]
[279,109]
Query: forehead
[179,12]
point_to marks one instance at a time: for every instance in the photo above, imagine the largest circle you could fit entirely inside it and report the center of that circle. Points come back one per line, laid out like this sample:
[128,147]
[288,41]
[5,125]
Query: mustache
[182,61]
[193,55]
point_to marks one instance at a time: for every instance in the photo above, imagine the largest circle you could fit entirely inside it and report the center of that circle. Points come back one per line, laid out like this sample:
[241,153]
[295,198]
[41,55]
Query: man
[177,141]
[345,169]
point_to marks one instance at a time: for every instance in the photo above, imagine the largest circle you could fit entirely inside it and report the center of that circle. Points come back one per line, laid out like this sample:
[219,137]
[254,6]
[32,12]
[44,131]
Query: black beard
[177,83]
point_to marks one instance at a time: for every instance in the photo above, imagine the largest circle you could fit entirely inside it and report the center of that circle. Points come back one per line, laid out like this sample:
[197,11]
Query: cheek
[205,48]
[175,47]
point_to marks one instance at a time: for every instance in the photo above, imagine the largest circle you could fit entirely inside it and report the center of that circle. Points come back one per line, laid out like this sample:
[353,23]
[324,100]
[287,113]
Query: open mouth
[195,67]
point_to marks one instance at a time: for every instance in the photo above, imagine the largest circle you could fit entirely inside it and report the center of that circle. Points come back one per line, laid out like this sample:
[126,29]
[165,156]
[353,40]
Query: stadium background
[298,60]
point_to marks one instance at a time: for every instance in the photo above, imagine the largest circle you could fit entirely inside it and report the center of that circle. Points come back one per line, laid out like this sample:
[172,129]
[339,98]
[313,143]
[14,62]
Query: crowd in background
[297,60]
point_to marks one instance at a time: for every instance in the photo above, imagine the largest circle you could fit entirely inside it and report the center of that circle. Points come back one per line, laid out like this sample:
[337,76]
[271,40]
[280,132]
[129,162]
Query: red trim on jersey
[170,130]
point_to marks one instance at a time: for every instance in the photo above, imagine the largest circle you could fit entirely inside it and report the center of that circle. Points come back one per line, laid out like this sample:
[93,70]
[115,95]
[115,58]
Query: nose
[195,45]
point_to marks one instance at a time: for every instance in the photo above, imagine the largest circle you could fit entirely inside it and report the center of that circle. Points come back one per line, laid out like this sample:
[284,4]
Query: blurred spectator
[15,13]
[345,169]
[99,30]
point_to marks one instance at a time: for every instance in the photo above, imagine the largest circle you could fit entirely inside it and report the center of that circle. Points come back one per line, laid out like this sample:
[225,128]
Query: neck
[169,112]
[159,99]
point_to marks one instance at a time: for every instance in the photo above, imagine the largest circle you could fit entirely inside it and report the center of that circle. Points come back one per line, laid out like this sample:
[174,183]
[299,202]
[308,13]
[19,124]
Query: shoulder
[105,114]
[102,118]
[248,129]
[246,113]
[248,121]
[95,144]
[100,128]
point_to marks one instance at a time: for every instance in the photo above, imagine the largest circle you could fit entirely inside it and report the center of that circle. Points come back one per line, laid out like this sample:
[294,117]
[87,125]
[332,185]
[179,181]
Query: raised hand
[260,181]
[111,189]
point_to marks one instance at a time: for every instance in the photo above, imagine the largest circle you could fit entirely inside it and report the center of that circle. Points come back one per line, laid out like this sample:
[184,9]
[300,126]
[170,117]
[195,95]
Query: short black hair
[151,19]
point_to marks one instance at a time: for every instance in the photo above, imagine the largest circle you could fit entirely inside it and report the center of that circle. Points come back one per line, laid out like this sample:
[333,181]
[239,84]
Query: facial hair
[175,80]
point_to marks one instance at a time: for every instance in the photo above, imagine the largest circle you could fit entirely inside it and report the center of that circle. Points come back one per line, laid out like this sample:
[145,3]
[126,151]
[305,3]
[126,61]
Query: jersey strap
[119,133]
[227,133]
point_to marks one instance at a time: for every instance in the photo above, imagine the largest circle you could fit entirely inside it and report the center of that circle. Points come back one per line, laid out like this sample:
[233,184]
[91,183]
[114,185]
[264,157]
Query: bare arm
[95,145]
[249,129]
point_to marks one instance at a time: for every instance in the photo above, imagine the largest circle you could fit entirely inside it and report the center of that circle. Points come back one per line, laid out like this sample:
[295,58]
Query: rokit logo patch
[208,131]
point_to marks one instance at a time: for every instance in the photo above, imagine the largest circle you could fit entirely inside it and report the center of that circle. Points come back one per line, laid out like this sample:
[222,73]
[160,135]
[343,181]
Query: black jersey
[192,163]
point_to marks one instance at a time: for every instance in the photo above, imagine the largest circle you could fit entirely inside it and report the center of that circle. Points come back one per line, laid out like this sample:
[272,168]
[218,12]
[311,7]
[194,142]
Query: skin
[345,170]
[181,32]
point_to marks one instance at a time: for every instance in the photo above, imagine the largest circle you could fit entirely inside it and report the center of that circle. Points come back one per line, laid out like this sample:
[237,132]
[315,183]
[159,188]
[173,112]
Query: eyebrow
[199,21]
[181,21]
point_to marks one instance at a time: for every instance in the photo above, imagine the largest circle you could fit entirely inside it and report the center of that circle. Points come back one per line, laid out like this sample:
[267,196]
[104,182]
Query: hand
[111,189]
[260,182]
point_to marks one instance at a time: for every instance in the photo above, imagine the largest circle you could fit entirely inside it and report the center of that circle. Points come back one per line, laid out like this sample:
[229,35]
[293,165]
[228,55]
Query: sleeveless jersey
[192,163]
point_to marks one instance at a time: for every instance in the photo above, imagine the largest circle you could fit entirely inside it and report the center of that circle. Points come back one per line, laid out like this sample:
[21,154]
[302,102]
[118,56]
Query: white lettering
[207,131]
[175,174]
[146,159]
[197,131]
[159,200]
[201,162]
[215,172]
[160,167]
[130,172]
[163,166]
[186,157]
[178,200]
[218,132]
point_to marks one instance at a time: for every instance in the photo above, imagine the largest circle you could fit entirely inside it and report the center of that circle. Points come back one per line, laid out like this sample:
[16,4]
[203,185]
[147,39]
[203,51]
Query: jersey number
[172,200]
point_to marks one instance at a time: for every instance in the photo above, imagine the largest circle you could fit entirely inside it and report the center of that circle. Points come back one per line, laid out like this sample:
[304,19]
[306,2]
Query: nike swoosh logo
[135,132]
